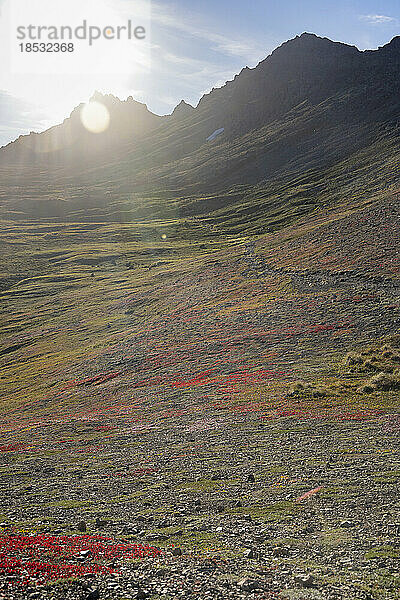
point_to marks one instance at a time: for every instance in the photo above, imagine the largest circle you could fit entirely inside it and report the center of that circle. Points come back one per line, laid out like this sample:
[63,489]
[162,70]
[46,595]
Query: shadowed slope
[309,107]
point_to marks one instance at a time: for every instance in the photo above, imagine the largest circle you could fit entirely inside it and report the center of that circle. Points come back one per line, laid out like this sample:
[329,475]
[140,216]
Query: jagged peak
[304,44]
[394,44]
[110,100]
[104,98]
[97,96]
[310,41]
[183,108]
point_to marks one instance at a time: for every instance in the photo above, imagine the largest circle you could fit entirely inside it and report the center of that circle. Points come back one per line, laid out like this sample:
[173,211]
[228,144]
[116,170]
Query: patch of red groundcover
[27,559]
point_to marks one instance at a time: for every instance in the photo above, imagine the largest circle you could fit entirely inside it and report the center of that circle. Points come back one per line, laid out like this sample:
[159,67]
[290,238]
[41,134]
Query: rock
[303,580]
[347,524]
[251,478]
[152,537]
[100,523]
[129,530]
[281,551]
[308,529]
[247,585]
[141,595]
[79,558]
[164,523]
[81,526]
[93,594]
[249,553]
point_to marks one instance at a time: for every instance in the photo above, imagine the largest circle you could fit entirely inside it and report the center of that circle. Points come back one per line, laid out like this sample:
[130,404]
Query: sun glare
[95,117]
[53,83]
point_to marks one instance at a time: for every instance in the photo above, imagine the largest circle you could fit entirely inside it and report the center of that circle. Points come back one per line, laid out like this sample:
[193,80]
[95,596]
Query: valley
[200,345]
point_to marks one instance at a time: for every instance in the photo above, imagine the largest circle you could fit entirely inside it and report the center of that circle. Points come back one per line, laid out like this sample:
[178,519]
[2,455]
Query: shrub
[367,352]
[366,389]
[297,388]
[394,341]
[385,381]
[319,392]
[302,388]
[368,364]
[353,359]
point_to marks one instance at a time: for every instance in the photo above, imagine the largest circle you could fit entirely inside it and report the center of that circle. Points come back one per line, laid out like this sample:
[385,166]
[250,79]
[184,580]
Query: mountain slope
[310,105]
[195,379]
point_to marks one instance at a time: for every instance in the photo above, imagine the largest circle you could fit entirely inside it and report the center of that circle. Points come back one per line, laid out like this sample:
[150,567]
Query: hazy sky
[194,46]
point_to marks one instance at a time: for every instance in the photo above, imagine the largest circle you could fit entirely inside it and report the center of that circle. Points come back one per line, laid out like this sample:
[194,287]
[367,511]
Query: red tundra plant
[43,558]
[12,447]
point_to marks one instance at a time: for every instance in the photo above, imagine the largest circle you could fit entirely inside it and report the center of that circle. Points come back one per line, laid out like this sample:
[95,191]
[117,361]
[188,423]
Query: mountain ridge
[306,39]
[310,104]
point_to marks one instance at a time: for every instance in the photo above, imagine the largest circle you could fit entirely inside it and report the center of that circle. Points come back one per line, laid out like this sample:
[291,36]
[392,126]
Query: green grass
[78,325]
[278,511]
[382,552]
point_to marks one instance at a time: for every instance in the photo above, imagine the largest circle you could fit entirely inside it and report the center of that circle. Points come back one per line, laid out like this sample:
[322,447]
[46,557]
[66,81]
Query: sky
[190,47]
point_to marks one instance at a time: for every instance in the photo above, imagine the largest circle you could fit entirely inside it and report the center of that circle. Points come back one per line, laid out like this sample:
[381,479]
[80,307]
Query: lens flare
[95,117]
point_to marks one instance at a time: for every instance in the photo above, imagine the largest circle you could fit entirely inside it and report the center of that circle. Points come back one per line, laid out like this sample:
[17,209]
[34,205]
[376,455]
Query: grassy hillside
[173,383]
[199,346]
[297,188]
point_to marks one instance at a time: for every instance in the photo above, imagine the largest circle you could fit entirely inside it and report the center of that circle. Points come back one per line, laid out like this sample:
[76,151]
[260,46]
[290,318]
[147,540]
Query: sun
[51,84]
[95,117]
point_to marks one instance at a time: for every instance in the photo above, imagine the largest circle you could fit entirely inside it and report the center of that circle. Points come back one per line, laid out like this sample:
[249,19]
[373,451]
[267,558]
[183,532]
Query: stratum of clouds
[230,46]
[165,16]
[378,19]
[178,41]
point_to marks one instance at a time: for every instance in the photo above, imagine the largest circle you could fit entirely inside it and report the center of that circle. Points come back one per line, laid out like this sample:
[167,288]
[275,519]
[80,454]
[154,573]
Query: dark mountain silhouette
[70,142]
[310,106]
